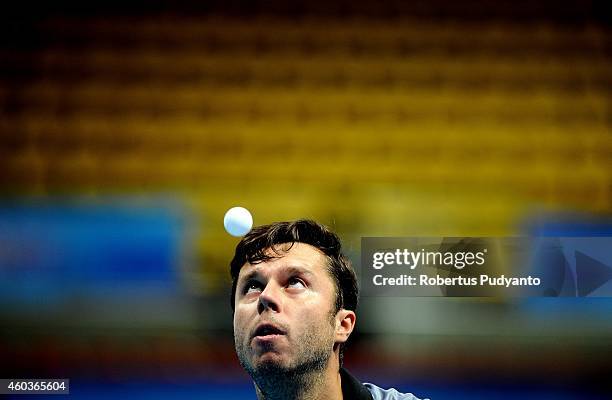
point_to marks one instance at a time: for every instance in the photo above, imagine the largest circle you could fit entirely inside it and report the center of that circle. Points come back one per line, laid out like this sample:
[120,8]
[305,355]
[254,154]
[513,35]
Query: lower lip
[266,338]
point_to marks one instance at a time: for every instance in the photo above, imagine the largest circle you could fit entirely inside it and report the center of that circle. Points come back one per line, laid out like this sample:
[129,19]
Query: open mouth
[267,330]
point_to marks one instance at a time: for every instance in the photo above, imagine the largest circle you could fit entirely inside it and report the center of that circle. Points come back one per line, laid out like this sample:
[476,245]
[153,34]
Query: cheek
[316,314]
[320,306]
[240,319]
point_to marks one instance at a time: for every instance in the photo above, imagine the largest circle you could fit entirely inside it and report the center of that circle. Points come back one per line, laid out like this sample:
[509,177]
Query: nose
[270,298]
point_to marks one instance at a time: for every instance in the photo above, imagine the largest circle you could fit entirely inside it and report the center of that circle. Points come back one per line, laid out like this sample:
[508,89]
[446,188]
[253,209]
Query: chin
[270,359]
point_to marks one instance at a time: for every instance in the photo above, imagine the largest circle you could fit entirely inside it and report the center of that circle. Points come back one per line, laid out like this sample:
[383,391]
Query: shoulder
[388,394]
[355,390]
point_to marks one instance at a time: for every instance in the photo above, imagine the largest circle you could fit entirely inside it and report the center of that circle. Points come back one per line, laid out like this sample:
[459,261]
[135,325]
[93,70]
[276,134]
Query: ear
[345,322]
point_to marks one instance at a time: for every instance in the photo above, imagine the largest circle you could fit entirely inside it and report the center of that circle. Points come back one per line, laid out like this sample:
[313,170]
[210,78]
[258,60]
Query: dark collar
[352,389]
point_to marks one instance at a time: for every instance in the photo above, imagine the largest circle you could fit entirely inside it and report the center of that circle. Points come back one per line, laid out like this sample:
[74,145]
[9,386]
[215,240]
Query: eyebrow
[291,270]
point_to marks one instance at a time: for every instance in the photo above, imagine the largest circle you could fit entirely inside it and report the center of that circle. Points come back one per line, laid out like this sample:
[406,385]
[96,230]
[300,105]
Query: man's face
[283,312]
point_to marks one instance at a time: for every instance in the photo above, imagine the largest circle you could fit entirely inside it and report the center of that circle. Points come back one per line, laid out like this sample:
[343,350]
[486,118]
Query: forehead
[299,255]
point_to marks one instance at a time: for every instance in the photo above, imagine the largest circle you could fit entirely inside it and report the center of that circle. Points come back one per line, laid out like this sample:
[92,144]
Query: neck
[308,385]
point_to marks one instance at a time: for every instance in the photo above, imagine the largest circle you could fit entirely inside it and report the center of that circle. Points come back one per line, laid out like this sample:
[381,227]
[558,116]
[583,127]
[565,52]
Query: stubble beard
[276,380]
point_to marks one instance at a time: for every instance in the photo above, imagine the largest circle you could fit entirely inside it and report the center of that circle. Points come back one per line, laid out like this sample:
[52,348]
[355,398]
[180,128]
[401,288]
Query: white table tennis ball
[238,221]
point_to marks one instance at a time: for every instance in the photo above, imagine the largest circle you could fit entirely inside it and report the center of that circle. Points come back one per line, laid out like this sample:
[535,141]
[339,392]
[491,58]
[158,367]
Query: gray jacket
[388,394]
[352,389]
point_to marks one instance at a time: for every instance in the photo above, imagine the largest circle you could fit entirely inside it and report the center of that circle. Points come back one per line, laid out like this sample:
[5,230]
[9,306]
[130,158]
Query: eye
[296,283]
[251,286]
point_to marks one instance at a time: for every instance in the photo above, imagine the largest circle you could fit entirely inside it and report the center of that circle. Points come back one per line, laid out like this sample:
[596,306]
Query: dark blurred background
[127,131]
